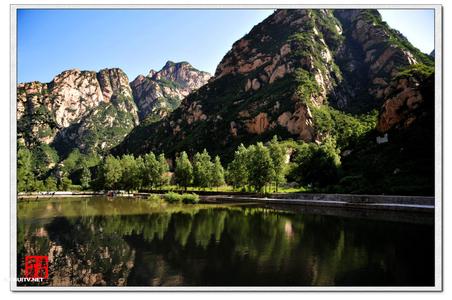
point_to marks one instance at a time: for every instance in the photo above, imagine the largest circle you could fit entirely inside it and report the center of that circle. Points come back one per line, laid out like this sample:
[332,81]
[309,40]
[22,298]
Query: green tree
[25,176]
[155,170]
[111,172]
[346,129]
[202,169]
[261,167]
[279,165]
[217,173]
[316,165]
[237,171]
[85,178]
[64,184]
[163,170]
[131,167]
[330,162]
[51,183]
[44,157]
[72,162]
[39,185]
[151,170]
[90,159]
[184,171]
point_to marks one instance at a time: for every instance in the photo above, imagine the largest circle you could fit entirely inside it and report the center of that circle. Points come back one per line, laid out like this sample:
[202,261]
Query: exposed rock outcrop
[407,98]
[259,124]
[161,92]
[298,123]
[68,110]
[113,82]
[371,50]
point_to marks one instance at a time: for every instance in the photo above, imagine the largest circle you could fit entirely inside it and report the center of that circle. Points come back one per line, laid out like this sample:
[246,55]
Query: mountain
[159,93]
[77,109]
[93,111]
[342,79]
[297,75]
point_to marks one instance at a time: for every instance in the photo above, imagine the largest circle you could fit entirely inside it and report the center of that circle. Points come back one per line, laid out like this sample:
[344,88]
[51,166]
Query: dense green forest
[257,168]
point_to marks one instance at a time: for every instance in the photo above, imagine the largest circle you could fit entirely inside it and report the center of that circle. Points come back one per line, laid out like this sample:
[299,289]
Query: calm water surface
[99,241]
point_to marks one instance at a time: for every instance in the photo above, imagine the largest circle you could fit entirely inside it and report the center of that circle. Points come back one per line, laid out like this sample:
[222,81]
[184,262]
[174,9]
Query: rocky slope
[78,109]
[159,93]
[409,96]
[283,78]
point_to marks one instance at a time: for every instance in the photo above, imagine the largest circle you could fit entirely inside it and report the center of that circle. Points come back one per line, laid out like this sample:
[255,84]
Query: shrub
[172,197]
[175,198]
[75,187]
[307,85]
[190,198]
[418,71]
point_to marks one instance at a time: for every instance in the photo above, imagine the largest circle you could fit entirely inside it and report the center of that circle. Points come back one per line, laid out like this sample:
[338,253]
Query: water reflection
[131,242]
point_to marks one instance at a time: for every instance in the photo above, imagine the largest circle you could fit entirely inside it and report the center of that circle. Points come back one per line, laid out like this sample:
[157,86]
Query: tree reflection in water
[130,242]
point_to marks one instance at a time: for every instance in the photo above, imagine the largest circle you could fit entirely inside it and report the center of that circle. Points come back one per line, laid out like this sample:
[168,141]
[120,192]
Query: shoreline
[368,205]
[425,204]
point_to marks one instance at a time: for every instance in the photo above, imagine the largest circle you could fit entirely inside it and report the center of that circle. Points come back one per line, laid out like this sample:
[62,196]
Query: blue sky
[51,41]
[416,24]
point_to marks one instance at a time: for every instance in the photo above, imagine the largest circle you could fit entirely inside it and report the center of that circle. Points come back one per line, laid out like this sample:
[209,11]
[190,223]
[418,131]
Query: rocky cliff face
[409,97]
[113,82]
[371,55]
[78,109]
[159,93]
[281,77]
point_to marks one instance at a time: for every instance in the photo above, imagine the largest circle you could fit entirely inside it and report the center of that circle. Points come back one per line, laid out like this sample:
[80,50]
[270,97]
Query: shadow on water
[131,242]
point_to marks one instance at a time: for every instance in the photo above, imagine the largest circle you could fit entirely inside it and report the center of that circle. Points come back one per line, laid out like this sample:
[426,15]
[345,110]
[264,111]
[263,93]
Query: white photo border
[438,9]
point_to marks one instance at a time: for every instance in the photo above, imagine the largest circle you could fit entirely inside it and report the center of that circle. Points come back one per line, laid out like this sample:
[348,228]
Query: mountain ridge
[93,111]
[284,77]
[161,91]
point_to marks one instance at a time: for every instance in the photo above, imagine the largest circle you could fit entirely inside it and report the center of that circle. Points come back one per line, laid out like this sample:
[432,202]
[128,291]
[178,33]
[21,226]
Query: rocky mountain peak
[170,63]
[183,74]
[113,82]
[161,91]
[151,73]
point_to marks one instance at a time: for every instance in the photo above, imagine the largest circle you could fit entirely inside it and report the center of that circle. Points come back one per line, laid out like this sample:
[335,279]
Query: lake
[134,242]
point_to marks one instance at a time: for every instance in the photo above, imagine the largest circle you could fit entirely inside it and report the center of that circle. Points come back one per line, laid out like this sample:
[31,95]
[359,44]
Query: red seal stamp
[36,266]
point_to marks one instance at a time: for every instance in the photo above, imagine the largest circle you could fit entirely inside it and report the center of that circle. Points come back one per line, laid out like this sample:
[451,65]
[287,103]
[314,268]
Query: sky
[418,25]
[51,41]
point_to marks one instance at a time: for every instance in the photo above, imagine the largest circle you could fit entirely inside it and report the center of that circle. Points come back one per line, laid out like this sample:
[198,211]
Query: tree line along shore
[257,168]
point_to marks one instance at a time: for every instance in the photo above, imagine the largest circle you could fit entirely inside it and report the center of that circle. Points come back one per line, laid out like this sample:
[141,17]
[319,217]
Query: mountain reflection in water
[96,241]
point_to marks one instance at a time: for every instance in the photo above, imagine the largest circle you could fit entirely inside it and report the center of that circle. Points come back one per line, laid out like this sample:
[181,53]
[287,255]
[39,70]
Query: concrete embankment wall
[368,202]
[417,200]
